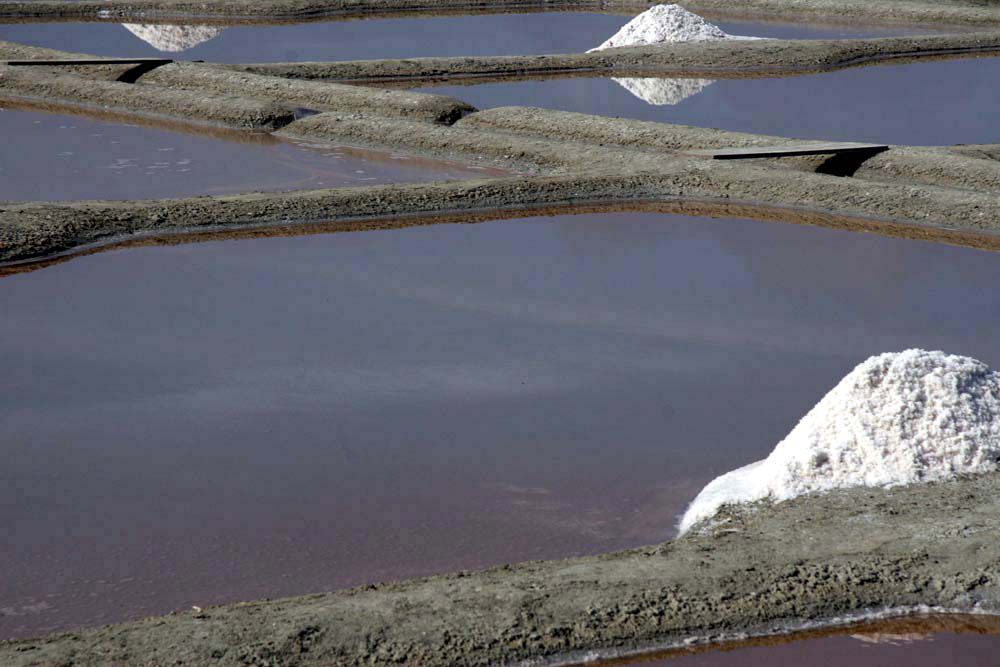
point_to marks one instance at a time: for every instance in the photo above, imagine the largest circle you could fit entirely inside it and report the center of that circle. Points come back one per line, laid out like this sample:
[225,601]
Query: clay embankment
[715,59]
[762,569]
[573,158]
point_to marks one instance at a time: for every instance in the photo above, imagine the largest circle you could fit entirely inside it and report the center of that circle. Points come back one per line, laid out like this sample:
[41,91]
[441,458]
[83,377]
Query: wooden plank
[108,61]
[786,150]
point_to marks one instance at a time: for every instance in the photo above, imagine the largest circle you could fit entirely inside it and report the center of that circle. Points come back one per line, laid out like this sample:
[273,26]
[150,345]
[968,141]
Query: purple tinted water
[206,423]
[49,156]
[483,35]
[930,103]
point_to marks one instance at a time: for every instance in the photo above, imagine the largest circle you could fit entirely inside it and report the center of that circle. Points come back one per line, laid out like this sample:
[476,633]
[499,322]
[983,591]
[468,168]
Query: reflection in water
[659,92]
[173,38]
[890,104]
[417,36]
[204,423]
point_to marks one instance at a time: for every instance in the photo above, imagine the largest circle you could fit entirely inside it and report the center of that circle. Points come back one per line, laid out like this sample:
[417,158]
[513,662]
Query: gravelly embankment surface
[756,569]
[717,59]
[564,158]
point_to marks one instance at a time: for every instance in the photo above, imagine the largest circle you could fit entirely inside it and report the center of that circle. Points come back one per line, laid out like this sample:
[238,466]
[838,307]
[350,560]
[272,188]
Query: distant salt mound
[661,92]
[173,38]
[662,24]
[898,418]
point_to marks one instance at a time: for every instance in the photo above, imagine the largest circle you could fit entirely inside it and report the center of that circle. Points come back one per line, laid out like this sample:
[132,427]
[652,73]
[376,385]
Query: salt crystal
[664,23]
[897,418]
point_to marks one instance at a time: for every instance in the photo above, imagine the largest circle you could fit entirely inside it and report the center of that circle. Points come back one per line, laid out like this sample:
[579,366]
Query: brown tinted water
[929,103]
[477,35]
[223,421]
[921,641]
[49,156]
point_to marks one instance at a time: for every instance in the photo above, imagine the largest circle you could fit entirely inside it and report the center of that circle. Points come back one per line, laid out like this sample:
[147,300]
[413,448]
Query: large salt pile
[173,38]
[662,24]
[898,418]
[659,25]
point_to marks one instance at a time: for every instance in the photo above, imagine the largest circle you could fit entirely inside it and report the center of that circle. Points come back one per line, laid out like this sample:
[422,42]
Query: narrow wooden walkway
[786,150]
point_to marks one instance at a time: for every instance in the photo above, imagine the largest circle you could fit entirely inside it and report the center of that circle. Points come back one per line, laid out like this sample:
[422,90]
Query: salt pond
[50,156]
[916,642]
[223,421]
[929,103]
[483,34]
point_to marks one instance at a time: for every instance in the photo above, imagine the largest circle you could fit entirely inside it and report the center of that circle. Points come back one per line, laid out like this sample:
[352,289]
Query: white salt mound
[898,418]
[664,23]
[660,92]
[173,38]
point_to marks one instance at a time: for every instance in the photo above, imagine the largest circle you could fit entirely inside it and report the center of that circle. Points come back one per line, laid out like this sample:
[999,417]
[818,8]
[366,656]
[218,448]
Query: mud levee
[325,95]
[756,570]
[565,158]
[29,84]
[664,205]
[34,231]
[717,59]
[957,12]
[223,93]
[967,167]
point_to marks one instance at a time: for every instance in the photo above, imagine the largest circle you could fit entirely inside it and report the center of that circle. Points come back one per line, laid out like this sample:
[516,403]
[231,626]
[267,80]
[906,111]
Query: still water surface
[873,644]
[206,423]
[476,35]
[929,103]
[48,156]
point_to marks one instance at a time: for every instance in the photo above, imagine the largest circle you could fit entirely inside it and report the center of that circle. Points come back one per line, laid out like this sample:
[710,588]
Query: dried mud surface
[754,570]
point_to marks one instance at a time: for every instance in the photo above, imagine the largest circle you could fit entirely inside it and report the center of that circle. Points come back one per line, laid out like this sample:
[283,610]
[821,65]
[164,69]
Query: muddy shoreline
[669,206]
[559,157]
[754,570]
[713,59]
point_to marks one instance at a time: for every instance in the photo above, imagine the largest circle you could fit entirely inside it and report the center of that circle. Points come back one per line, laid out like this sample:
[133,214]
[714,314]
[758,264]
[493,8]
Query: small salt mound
[664,23]
[898,418]
[173,38]
[661,92]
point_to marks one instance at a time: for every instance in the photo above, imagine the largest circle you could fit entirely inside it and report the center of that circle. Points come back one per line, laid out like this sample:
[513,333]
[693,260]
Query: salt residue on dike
[897,418]
[663,24]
